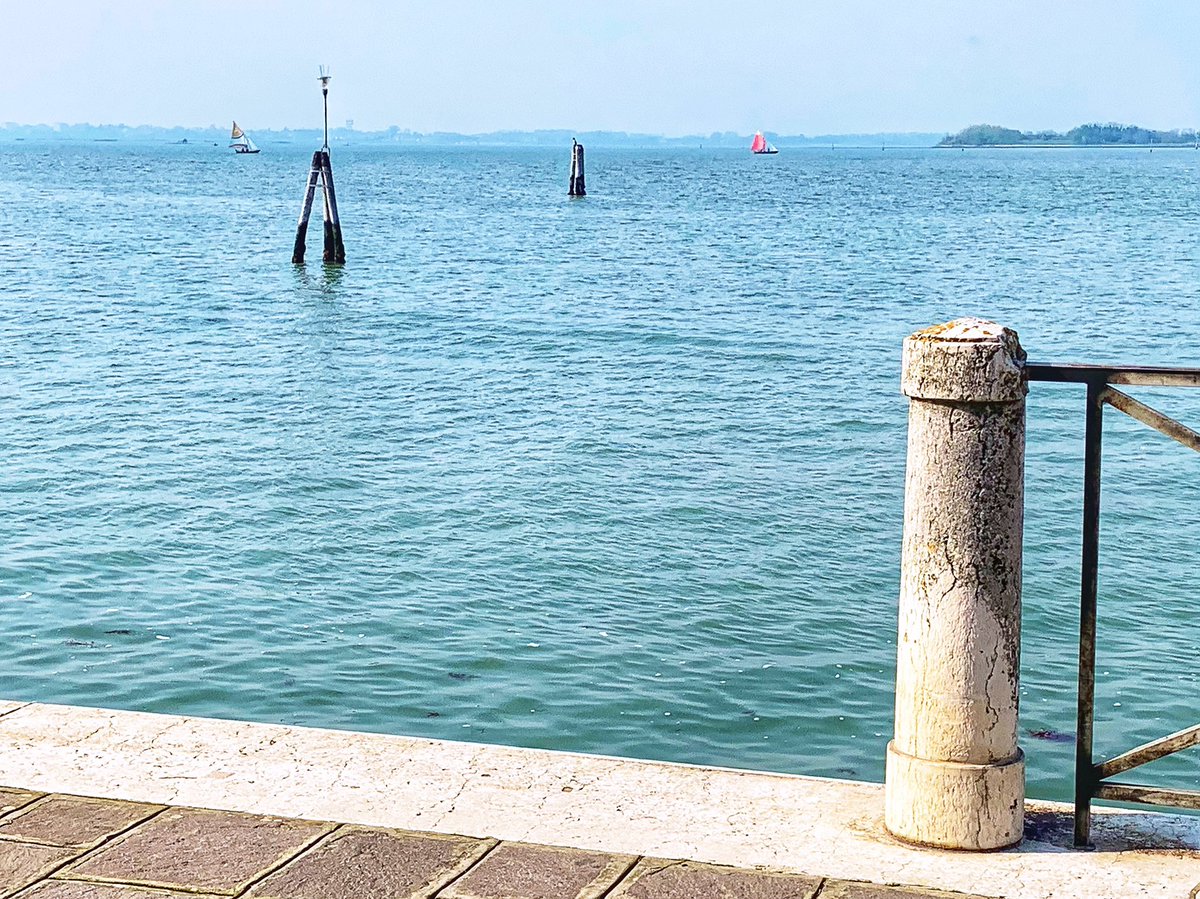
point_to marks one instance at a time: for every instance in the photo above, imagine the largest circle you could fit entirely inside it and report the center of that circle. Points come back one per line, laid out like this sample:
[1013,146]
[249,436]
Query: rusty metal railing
[1092,779]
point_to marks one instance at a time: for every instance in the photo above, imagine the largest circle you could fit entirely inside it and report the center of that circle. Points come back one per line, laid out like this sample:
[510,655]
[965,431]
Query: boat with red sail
[759,145]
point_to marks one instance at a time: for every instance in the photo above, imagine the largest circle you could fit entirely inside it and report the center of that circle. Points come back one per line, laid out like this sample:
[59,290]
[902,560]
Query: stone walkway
[54,846]
[319,813]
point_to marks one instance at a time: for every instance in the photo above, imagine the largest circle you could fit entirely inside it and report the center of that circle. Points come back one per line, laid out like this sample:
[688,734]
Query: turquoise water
[619,475]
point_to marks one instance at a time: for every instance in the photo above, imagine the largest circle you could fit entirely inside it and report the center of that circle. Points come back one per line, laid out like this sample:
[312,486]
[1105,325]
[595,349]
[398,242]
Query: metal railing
[1092,779]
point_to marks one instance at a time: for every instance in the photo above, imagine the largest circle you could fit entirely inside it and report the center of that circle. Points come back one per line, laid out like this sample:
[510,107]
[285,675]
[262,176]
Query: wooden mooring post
[314,175]
[578,189]
[321,171]
[335,249]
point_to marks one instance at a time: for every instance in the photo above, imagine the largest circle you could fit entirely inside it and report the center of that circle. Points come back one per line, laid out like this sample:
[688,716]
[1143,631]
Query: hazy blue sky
[669,67]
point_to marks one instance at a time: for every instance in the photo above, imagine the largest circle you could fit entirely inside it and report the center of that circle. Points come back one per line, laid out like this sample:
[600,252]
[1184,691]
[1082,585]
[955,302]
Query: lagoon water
[619,475]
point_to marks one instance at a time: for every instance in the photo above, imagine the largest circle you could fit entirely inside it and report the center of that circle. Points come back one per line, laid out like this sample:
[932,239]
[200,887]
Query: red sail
[760,143]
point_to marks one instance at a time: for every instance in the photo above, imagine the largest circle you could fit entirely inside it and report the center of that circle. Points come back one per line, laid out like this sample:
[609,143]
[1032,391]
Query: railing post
[955,775]
[1085,716]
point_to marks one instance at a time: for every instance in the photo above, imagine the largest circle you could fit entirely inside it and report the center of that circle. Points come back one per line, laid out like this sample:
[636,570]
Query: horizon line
[396,129]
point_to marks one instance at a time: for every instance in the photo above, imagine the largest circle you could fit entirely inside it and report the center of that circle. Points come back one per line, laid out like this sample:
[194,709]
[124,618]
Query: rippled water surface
[620,475]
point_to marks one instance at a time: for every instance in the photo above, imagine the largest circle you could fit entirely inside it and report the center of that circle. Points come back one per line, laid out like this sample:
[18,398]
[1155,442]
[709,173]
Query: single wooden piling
[335,250]
[306,209]
[327,251]
[577,184]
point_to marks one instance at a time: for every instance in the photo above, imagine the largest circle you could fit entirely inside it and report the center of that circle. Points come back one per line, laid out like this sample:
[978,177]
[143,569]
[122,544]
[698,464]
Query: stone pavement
[299,800]
[55,846]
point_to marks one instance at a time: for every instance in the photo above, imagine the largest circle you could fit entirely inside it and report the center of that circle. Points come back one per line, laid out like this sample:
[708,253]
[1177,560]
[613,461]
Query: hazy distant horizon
[546,136]
[668,67]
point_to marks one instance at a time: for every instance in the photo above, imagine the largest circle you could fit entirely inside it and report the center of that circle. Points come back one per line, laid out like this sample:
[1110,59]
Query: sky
[651,66]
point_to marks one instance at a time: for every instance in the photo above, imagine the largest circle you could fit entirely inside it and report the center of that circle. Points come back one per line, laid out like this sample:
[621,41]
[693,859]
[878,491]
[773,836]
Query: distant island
[219,134]
[1095,135]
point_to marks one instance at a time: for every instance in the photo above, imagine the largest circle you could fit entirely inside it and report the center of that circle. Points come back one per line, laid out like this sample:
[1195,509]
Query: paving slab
[14,799]
[77,889]
[522,871]
[74,820]
[664,879]
[357,863]
[199,850]
[23,863]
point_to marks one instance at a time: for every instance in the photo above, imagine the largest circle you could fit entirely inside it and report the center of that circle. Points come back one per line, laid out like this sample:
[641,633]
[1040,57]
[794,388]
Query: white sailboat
[241,142]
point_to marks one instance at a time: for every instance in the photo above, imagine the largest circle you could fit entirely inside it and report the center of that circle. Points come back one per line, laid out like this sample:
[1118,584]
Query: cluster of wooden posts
[321,172]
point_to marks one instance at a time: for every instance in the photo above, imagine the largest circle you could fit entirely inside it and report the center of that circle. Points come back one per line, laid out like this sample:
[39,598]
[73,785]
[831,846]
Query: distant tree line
[1083,135]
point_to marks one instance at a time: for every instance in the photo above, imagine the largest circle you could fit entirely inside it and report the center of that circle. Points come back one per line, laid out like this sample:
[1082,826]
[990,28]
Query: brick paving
[71,847]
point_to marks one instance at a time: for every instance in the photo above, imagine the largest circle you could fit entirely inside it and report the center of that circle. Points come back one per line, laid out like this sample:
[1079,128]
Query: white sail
[241,142]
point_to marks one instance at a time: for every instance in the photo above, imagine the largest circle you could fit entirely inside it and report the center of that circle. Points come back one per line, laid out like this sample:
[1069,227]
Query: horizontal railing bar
[1131,375]
[1164,424]
[1148,795]
[1148,752]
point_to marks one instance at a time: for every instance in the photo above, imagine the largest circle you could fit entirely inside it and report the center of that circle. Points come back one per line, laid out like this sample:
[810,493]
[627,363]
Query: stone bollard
[955,775]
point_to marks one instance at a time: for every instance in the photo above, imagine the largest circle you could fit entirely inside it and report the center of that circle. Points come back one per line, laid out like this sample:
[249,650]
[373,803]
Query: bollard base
[951,805]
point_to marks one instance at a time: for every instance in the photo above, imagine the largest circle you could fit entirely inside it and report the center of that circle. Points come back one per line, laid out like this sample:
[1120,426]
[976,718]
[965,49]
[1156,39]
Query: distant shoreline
[1035,146]
[1111,134]
[505,138]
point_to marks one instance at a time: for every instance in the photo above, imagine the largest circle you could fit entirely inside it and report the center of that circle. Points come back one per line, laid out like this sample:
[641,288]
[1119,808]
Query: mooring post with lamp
[321,171]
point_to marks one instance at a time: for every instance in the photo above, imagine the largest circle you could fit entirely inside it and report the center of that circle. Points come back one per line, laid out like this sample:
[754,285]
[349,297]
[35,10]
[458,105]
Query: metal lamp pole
[324,79]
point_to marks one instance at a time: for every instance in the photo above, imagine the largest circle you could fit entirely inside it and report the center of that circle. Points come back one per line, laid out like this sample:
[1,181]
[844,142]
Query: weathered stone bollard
[955,775]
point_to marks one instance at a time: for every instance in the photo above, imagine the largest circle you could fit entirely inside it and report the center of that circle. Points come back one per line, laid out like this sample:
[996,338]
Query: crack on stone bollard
[949,557]
[992,710]
[986,803]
